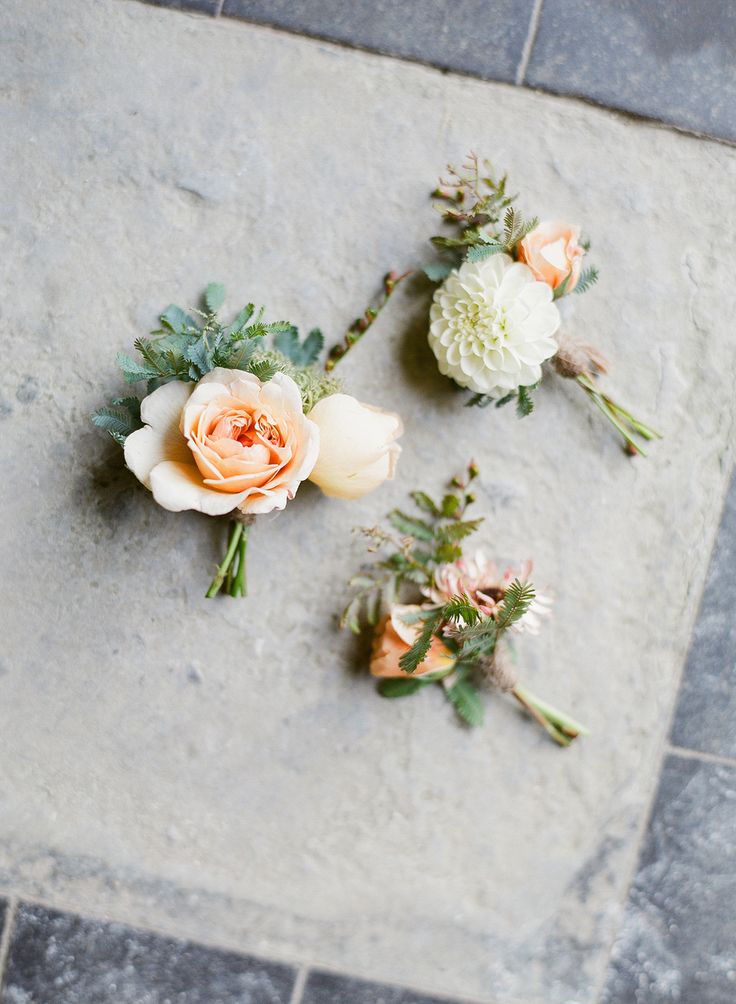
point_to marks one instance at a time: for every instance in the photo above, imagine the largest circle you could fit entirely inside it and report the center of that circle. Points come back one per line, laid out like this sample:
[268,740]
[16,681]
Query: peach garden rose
[233,424]
[228,442]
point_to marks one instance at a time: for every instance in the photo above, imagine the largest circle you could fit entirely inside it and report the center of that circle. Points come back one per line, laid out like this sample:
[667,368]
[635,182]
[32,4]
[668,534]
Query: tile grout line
[299,983]
[689,754]
[10,910]
[665,748]
[531,37]
[619,111]
[104,917]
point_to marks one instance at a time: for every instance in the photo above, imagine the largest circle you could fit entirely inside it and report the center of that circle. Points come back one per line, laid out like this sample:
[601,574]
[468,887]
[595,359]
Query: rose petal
[160,439]
[178,486]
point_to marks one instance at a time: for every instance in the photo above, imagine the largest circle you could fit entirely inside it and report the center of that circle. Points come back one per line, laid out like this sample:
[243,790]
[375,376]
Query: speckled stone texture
[223,770]
[706,708]
[671,61]
[482,37]
[329,988]
[678,938]
[57,958]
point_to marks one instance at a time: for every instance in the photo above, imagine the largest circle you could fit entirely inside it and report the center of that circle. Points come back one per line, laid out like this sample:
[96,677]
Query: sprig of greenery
[190,343]
[411,549]
[361,324]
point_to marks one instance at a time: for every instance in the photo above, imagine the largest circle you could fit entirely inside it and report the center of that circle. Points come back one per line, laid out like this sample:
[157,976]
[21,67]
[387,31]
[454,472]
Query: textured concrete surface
[57,957]
[678,938]
[222,769]
[706,708]
[670,61]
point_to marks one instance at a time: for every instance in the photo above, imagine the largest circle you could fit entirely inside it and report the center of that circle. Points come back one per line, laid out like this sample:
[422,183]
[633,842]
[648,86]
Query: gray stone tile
[328,988]
[482,37]
[706,710]
[678,937]
[670,61]
[196,6]
[59,958]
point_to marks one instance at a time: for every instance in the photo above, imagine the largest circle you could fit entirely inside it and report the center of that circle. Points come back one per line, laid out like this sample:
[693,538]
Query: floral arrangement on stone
[237,416]
[494,319]
[438,617]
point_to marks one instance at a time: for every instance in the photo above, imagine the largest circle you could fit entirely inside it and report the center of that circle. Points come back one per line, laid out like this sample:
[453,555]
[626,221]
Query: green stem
[622,420]
[560,726]
[240,584]
[236,532]
[359,327]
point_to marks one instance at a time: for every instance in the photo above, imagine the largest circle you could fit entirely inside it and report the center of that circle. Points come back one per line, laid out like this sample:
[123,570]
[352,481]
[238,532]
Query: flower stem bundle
[438,617]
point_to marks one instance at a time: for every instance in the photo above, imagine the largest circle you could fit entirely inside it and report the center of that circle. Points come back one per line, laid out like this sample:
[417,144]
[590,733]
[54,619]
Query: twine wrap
[246,518]
[573,359]
[499,671]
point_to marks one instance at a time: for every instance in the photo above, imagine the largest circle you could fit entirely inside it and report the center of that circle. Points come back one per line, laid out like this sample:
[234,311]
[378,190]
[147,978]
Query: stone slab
[482,37]
[221,769]
[706,707]
[672,61]
[330,988]
[67,959]
[678,938]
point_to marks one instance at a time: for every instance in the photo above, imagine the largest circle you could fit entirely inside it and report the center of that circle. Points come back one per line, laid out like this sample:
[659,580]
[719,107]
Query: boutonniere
[236,416]
[438,617]
[494,318]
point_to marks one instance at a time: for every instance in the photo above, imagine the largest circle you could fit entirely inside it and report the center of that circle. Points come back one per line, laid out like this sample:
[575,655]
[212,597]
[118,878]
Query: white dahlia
[492,325]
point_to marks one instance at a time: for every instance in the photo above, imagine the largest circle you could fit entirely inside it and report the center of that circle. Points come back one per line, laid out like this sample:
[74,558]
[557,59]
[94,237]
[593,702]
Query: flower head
[492,325]
[394,637]
[228,442]
[484,584]
[553,252]
[357,451]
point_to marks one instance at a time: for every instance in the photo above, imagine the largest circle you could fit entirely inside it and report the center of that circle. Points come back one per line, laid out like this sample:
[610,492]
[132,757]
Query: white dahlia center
[492,325]
[480,324]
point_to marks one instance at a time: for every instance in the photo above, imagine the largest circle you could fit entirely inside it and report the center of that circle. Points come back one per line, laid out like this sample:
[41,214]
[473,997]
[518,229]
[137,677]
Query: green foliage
[411,526]
[405,568]
[517,599]
[415,656]
[120,418]
[214,296]
[479,401]
[588,278]
[303,353]
[191,343]
[466,701]
[399,687]
[461,608]
[524,401]
[438,271]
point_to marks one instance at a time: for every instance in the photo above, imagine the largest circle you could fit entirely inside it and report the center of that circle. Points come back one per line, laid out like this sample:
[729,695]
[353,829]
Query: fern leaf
[518,598]
[214,296]
[588,278]
[455,532]
[415,656]
[411,526]
[466,701]
[461,608]
[524,402]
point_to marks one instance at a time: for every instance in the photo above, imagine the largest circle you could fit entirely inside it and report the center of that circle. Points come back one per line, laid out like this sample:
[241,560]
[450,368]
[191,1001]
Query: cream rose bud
[228,442]
[357,452]
[553,252]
